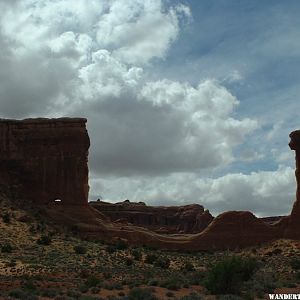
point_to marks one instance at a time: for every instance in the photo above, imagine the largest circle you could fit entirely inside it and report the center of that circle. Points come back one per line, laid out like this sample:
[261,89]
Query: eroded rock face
[291,224]
[162,219]
[46,159]
[295,145]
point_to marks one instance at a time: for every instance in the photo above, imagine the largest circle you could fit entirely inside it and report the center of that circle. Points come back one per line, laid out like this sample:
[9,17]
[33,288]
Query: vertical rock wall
[46,159]
[295,145]
[291,224]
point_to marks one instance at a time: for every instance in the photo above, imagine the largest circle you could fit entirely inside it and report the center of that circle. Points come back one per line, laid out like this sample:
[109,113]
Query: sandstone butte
[161,219]
[43,160]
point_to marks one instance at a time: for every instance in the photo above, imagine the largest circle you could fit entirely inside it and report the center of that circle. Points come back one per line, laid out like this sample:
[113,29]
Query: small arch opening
[57,201]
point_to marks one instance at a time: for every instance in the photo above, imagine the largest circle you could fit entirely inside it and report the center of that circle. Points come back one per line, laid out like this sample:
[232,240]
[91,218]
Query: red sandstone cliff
[291,224]
[161,219]
[45,159]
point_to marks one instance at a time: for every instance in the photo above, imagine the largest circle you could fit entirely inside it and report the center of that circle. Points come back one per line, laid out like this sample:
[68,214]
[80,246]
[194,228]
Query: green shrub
[230,297]
[121,245]
[41,226]
[162,262]
[29,285]
[128,261]
[153,282]
[73,294]
[83,288]
[150,258]
[295,263]
[80,249]
[6,248]
[87,297]
[263,282]
[110,249]
[112,286]
[197,277]
[227,276]
[44,240]
[21,294]
[49,293]
[107,275]
[95,290]
[192,296]
[188,267]
[32,229]
[12,263]
[137,254]
[6,218]
[17,293]
[92,281]
[141,294]
[172,283]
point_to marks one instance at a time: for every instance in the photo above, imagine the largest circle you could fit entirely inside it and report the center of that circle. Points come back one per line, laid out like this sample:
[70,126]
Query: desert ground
[39,260]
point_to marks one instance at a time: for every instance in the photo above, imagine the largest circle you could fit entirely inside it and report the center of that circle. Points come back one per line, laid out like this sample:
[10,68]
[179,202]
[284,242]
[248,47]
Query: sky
[187,101]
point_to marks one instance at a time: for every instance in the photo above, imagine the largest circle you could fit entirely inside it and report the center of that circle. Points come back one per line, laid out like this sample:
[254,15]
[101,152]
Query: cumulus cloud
[162,127]
[62,57]
[140,30]
[51,47]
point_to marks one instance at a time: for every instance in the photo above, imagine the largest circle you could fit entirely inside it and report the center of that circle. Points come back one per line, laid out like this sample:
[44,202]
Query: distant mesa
[161,219]
[45,162]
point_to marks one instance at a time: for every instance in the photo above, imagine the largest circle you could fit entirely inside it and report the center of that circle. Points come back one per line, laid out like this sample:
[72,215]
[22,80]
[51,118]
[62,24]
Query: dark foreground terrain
[41,261]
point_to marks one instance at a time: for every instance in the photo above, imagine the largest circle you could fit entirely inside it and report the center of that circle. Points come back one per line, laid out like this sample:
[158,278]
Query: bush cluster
[6,218]
[150,258]
[80,249]
[44,240]
[6,248]
[162,262]
[137,254]
[141,294]
[228,275]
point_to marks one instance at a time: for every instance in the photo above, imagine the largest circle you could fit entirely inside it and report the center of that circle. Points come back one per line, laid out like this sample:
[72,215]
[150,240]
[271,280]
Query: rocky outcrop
[161,219]
[45,159]
[291,224]
[295,145]
[235,229]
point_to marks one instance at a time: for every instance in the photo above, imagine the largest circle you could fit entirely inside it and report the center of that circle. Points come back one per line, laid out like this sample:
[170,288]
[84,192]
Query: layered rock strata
[45,159]
[161,219]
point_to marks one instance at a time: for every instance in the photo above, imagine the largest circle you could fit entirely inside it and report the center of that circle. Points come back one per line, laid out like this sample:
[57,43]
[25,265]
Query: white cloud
[157,127]
[105,77]
[82,39]
[139,30]
[265,193]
